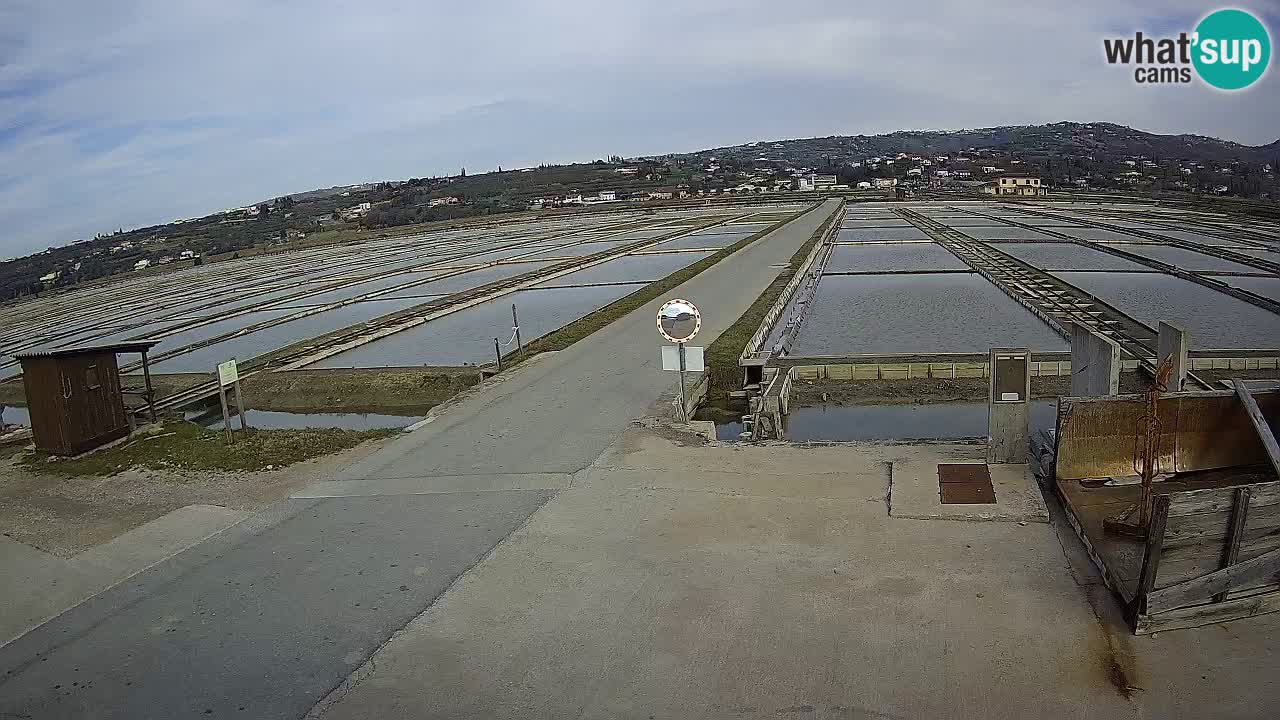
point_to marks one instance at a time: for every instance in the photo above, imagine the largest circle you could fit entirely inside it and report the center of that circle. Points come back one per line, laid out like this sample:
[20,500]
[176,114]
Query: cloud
[141,111]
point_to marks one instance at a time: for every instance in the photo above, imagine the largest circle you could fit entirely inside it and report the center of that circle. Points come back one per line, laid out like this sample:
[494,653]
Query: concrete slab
[686,580]
[42,585]
[338,593]
[914,494]
[417,485]
[163,537]
[38,585]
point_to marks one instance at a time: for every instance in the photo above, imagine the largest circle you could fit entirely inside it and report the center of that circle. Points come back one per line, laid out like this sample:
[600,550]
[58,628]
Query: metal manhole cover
[968,484]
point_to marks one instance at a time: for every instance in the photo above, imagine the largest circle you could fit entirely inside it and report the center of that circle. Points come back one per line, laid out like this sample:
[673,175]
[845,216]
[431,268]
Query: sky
[136,112]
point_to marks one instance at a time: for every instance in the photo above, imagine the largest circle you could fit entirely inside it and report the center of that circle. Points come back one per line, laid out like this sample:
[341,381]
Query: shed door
[91,399]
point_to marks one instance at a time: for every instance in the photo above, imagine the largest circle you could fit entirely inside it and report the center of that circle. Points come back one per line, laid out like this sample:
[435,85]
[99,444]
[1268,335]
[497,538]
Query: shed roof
[127,346]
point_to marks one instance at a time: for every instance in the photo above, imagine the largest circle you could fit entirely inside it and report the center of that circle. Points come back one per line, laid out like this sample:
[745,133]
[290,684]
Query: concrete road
[266,619]
[675,580]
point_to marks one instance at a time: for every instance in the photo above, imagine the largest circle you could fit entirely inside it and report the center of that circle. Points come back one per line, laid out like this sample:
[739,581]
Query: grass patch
[584,326]
[405,391]
[186,446]
[722,355]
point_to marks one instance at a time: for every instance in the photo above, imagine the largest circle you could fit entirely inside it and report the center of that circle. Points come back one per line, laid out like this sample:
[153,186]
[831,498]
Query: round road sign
[679,320]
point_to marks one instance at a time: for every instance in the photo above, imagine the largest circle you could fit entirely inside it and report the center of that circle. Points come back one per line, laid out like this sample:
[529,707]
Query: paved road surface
[266,619]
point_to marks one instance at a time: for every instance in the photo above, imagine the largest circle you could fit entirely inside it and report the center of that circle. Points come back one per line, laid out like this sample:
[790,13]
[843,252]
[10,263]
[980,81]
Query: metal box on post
[1009,405]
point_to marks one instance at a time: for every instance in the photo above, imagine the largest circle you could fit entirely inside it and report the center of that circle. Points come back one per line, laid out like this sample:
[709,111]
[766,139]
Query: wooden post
[497,351]
[1260,425]
[1231,546]
[1155,546]
[151,394]
[244,424]
[226,413]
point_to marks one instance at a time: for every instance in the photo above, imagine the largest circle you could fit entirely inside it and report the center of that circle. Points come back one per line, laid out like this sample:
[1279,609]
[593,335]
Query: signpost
[679,321]
[229,376]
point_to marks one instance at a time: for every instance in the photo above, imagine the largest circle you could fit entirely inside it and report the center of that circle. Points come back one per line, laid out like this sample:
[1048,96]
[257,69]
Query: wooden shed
[75,397]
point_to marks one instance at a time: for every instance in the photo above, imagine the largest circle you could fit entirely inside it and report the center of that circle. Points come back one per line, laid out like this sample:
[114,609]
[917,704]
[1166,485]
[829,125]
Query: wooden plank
[1253,544]
[1231,544]
[1213,527]
[1221,500]
[1200,588]
[1198,615]
[1259,423]
[1155,544]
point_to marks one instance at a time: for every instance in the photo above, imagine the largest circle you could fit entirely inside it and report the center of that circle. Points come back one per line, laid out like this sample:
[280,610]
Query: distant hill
[1063,138]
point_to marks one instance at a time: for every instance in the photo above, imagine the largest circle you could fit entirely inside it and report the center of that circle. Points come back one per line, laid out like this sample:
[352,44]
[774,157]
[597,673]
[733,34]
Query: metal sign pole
[684,401]
[515,323]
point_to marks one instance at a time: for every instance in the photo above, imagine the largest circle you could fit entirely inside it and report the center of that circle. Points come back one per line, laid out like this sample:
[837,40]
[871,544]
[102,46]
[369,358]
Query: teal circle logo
[1232,49]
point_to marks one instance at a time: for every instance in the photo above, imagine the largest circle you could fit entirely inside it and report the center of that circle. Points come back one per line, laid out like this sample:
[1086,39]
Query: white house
[864,185]
[142,265]
[1019,185]
[885,182]
[915,172]
[608,195]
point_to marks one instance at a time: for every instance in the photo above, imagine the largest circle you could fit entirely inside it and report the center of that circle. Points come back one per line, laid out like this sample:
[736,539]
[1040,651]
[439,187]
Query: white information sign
[227,373]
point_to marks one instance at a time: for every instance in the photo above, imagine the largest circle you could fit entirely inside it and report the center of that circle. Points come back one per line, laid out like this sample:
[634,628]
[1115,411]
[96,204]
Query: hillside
[1093,156]
[1063,139]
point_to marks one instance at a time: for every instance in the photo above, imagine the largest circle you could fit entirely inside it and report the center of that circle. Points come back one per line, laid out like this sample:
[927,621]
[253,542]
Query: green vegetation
[403,391]
[722,355]
[584,326]
[186,446]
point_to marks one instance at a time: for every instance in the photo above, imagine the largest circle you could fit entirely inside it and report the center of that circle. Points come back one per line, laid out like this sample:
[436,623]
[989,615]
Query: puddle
[945,312]
[832,423]
[1216,320]
[1183,258]
[466,336]
[880,233]
[274,420]
[881,258]
[13,415]
[1068,256]
[730,431]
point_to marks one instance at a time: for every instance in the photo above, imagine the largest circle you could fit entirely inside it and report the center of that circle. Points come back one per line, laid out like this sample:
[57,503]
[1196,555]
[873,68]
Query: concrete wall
[1095,361]
[1173,343]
